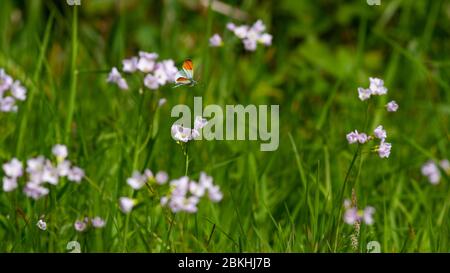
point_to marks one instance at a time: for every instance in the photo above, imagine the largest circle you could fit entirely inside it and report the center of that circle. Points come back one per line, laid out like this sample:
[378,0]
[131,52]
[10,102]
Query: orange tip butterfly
[185,76]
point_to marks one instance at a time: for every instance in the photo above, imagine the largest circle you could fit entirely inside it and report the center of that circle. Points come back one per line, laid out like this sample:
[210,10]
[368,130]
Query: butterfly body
[185,76]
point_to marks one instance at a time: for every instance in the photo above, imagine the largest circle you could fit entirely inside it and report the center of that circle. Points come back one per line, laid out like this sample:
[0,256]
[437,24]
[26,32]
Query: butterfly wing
[188,68]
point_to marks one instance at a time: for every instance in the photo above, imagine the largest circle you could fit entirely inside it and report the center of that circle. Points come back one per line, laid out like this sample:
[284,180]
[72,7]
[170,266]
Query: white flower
[63,168]
[8,104]
[126,204]
[41,224]
[80,226]
[392,106]
[60,151]
[137,180]
[98,222]
[196,189]
[161,177]
[265,39]
[9,184]
[384,150]
[215,41]
[377,86]
[364,94]
[50,173]
[215,194]
[75,174]
[130,65]
[18,91]
[180,133]
[146,61]
[34,190]
[13,168]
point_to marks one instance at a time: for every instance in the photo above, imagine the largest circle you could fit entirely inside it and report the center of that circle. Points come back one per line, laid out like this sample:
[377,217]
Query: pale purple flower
[258,26]
[352,137]
[241,31]
[9,183]
[170,69]
[384,150]
[364,93]
[50,173]
[80,226]
[377,86]
[151,82]
[8,104]
[367,215]
[75,174]
[115,77]
[379,132]
[200,122]
[5,81]
[445,165]
[161,177]
[249,44]
[351,216]
[180,133]
[180,186]
[41,224]
[137,180]
[265,39]
[35,190]
[214,194]
[13,168]
[392,106]
[126,204]
[35,165]
[160,75]
[431,171]
[130,65]
[146,61]
[18,91]
[60,151]
[362,138]
[98,222]
[63,168]
[231,26]
[162,101]
[215,41]
[205,180]
[196,189]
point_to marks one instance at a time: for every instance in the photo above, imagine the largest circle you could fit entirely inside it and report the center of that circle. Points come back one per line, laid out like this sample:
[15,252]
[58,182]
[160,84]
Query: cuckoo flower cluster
[353,214]
[383,148]
[431,170]
[251,36]
[10,91]
[183,134]
[136,182]
[41,171]
[156,73]
[82,225]
[184,194]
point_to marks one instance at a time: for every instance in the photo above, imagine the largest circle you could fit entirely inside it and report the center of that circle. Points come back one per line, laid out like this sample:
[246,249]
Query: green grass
[288,200]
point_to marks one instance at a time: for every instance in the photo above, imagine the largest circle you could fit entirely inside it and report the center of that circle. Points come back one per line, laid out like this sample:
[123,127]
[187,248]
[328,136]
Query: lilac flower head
[8,104]
[5,81]
[34,190]
[215,41]
[431,171]
[146,61]
[352,137]
[75,174]
[368,215]
[364,93]
[9,184]
[18,91]
[126,204]
[98,222]
[130,65]
[384,150]
[377,86]
[13,168]
[137,180]
[380,132]
[41,224]
[115,77]
[392,106]
[161,177]
[180,133]
[60,151]
[151,82]
[80,226]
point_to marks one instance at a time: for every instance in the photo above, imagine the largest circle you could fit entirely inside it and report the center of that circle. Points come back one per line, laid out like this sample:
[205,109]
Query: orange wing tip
[188,64]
